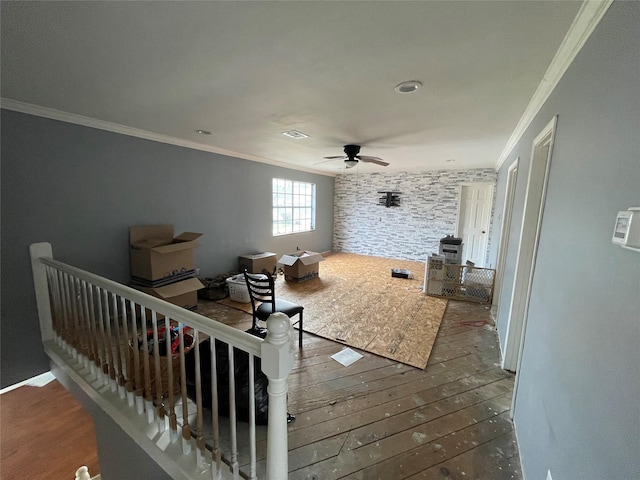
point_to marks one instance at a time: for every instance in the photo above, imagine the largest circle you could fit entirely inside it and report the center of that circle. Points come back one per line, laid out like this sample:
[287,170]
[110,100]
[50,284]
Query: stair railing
[116,340]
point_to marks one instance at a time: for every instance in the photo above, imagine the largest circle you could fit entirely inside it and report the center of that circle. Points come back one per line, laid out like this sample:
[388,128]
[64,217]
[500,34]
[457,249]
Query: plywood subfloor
[356,301]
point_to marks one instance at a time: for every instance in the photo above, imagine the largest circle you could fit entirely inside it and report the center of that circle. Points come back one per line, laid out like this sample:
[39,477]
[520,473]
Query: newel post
[41,286]
[277,362]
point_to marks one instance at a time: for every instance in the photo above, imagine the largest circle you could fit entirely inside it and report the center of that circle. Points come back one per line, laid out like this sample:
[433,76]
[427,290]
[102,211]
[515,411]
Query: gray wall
[577,411]
[81,188]
[428,211]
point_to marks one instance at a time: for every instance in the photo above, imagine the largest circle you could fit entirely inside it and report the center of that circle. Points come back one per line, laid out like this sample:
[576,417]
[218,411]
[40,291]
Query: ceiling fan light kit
[352,157]
[351,162]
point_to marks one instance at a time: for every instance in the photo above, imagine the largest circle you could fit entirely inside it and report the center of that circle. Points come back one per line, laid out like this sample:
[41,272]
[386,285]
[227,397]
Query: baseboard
[37,381]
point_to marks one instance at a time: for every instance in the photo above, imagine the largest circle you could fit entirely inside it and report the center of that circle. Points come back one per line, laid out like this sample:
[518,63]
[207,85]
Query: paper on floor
[346,357]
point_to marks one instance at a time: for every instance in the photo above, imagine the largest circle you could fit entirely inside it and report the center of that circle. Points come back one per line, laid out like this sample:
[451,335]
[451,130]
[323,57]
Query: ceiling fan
[352,157]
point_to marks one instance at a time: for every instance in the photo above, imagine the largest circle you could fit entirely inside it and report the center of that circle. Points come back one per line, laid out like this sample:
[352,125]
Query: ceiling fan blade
[339,156]
[329,159]
[375,160]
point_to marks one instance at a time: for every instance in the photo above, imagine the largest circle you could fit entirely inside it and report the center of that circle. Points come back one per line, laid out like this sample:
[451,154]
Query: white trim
[37,381]
[53,114]
[529,230]
[507,213]
[533,212]
[587,18]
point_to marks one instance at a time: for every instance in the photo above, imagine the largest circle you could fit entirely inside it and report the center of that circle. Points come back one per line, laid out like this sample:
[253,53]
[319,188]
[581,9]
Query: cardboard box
[157,257]
[184,293]
[256,262]
[301,265]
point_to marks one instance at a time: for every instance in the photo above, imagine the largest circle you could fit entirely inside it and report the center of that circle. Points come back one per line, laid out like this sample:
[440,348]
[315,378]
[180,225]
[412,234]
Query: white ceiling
[248,71]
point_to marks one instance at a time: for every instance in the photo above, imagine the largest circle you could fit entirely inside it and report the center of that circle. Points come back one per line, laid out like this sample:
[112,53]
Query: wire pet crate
[461,282]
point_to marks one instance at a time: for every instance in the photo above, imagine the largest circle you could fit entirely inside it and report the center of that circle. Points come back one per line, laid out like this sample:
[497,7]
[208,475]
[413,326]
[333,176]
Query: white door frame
[527,248]
[507,211]
[491,195]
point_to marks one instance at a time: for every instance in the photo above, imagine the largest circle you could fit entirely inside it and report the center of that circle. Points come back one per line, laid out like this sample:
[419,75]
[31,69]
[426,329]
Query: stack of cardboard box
[258,262]
[301,265]
[162,265]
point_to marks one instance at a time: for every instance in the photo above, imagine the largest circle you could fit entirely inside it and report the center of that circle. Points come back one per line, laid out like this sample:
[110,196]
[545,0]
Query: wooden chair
[262,289]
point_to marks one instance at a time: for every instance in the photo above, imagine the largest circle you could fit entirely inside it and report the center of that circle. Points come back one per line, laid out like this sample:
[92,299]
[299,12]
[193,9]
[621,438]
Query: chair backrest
[261,288]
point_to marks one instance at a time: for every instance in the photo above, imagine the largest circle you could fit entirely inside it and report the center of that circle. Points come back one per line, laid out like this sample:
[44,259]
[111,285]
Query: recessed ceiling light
[295,134]
[408,87]
[203,132]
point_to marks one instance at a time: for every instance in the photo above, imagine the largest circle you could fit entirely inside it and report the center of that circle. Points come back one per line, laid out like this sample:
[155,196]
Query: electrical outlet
[549,475]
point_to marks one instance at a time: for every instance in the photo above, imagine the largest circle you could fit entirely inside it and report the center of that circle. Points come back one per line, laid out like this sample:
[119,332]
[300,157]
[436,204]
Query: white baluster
[233,425]
[139,399]
[186,429]
[252,420]
[216,454]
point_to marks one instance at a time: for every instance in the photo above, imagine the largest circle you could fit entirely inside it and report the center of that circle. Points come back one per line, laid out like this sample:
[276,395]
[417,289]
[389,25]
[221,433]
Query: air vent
[295,134]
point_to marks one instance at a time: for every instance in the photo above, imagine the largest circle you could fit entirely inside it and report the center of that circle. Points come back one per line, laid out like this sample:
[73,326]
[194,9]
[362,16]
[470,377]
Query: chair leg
[300,332]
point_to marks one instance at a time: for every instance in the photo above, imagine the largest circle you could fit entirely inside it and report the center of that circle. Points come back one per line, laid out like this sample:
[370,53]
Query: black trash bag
[241,369]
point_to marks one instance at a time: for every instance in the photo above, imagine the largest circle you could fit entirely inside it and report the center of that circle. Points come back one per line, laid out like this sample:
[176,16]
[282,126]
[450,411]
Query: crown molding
[53,114]
[587,19]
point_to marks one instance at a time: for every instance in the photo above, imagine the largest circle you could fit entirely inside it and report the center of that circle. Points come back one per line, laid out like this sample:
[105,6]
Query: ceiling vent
[295,134]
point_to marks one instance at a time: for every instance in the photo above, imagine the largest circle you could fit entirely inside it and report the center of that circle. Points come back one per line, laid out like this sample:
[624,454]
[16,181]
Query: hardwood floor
[376,419]
[44,434]
[379,419]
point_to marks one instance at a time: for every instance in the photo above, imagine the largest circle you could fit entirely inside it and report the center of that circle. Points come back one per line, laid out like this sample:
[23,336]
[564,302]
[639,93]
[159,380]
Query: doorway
[510,195]
[474,219]
[527,248]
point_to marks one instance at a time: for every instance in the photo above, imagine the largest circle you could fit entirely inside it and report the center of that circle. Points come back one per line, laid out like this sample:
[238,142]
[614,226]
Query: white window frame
[293,206]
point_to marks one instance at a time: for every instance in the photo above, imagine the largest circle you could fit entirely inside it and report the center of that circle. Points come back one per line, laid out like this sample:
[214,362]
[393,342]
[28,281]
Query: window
[294,206]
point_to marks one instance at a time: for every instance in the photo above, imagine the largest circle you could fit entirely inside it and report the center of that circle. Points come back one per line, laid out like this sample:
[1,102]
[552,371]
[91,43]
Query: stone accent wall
[428,211]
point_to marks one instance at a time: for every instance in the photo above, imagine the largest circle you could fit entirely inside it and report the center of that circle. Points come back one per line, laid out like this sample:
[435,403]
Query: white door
[527,249]
[510,196]
[474,219]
